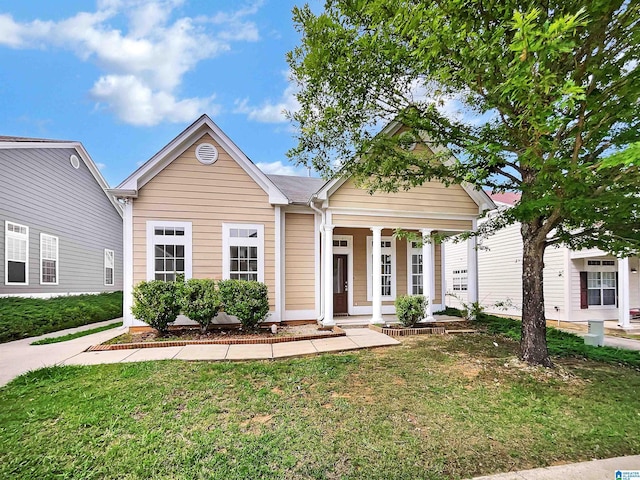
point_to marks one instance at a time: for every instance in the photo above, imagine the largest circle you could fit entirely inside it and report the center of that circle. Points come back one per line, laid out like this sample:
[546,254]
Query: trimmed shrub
[28,317]
[200,301]
[156,303]
[410,309]
[247,300]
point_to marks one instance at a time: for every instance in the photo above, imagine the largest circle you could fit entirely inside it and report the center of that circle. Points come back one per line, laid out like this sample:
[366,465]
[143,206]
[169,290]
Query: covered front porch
[356,289]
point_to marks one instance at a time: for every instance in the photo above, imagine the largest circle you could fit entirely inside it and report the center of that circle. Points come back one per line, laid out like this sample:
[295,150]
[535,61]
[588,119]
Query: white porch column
[472,270]
[428,274]
[624,319]
[328,277]
[376,269]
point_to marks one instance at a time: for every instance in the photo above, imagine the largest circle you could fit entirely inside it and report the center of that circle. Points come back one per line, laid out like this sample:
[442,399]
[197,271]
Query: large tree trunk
[533,344]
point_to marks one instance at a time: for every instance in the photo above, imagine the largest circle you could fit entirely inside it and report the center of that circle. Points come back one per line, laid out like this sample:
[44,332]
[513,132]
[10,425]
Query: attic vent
[407,141]
[206,153]
[75,163]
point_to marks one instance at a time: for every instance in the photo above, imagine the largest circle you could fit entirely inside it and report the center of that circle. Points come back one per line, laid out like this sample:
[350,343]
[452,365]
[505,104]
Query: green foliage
[410,309]
[200,301]
[157,303]
[247,300]
[29,317]
[469,310]
[73,336]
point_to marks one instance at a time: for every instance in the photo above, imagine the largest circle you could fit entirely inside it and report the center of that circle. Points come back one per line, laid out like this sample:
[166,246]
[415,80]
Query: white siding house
[578,285]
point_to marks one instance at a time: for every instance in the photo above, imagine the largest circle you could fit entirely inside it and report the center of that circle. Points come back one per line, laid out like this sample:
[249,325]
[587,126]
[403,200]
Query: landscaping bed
[431,328]
[178,337]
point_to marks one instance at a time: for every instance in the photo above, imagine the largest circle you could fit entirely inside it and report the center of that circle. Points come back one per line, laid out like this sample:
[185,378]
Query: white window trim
[186,240]
[410,252]
[239,241]
[601,268]
[370,268]
[113,267]
[42,282]
[460,274]
[8,234]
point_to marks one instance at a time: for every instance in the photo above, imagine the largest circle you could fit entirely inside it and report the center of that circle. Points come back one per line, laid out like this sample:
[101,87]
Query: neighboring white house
[578,285]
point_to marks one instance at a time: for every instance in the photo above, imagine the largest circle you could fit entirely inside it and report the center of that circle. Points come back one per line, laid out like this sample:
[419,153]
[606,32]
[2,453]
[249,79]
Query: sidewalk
[594,470]
[19,357]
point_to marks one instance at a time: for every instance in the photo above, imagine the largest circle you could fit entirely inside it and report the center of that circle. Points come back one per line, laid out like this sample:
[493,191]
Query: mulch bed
[220,336]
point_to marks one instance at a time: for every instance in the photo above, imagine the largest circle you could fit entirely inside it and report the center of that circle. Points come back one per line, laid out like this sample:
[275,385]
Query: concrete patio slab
[96,358]
[292,349]
[334,344]
[146,354]
[202,352]
[249,352]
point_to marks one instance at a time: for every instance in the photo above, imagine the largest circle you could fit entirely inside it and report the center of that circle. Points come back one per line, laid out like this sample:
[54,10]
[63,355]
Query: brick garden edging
[335,332]
[401,332]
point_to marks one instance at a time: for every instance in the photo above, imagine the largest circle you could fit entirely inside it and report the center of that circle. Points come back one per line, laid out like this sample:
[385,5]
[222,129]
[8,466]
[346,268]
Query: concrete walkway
[20,357]
[593,470]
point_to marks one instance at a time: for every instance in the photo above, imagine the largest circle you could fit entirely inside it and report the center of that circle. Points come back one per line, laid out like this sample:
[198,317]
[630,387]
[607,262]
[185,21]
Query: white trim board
[185,240]
[240,241]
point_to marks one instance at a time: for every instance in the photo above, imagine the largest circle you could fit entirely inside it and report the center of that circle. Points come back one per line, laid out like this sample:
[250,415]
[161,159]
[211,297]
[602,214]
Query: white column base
[376,321]
[328,322]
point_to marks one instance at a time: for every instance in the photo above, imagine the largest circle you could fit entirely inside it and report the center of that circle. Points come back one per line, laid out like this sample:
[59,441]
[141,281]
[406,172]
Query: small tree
[200,301]
[156,303]
[247,300]
[410,309]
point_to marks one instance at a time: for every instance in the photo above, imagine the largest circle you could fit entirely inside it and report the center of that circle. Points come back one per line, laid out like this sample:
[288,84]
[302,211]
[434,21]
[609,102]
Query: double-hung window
[48,259]
[460,280]
[387,268]
[599,283]
[109,264]
[16,254]
[168,250]
[415,269]
[243,251]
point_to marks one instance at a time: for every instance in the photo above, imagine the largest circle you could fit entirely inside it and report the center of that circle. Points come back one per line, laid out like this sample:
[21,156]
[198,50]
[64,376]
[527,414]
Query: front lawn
[435,407]
[29,317]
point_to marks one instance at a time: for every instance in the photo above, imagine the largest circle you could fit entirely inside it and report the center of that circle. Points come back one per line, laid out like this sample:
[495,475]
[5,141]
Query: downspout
[322,223]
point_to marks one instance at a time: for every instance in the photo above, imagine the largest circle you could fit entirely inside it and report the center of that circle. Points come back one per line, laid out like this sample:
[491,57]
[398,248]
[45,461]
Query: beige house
[202,208]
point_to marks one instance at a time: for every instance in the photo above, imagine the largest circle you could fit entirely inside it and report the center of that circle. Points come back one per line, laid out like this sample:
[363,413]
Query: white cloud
[101,166]
[277,168]
[271,112]
[135,103]
[145,62]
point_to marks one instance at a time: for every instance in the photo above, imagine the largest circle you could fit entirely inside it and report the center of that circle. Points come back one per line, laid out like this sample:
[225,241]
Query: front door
[340,286]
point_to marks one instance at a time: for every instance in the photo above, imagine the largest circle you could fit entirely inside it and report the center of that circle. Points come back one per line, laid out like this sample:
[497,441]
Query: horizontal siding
[432,197]
[500,270]
[553,275]
[40,189]
[366,221]
[207,196]
[455,258]
[300,261]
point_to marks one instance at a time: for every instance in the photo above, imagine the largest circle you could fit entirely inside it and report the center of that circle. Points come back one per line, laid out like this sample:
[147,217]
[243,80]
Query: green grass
[71,336]
[562,344]
[436,407]
[29,317]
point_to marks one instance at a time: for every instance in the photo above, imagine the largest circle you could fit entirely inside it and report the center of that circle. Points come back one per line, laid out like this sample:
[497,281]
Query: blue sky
[126,76]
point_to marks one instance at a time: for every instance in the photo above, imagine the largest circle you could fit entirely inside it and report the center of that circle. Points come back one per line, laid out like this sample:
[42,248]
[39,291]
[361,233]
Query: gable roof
[506,198]
[298,190]
[130,186]
[11,142]
[479,196]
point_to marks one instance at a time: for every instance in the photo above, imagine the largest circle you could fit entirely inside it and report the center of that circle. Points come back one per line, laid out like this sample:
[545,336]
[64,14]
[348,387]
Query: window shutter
[584,297]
